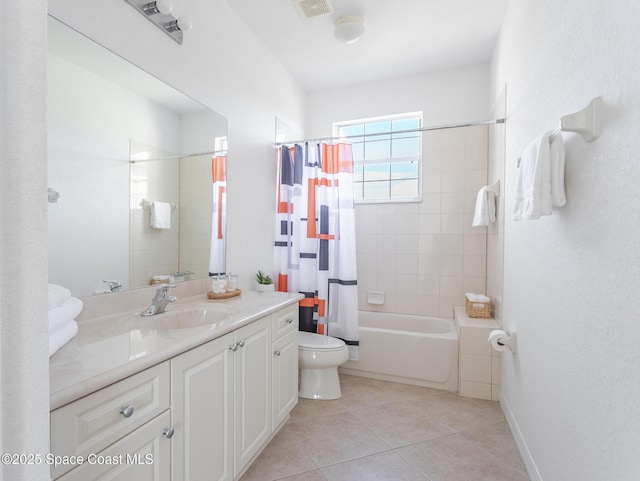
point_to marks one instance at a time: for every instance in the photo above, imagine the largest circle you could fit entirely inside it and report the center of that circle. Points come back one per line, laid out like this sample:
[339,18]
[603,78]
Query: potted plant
[265,284]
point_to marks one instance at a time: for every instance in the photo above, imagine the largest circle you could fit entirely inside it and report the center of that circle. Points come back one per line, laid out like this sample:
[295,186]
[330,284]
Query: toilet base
[321,384]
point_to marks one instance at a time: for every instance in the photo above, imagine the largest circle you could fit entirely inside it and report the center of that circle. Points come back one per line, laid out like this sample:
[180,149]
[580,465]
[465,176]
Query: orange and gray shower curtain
[218,219]
[315,247]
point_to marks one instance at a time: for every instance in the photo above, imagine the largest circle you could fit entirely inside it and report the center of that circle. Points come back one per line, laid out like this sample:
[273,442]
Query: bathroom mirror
[120,140]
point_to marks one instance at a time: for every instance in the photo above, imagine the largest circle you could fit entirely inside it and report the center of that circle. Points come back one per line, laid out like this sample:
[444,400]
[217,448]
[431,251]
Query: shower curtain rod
[174,157]
[421,129]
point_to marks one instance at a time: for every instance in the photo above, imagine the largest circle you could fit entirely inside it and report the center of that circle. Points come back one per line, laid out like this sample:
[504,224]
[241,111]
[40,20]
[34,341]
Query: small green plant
[263,278]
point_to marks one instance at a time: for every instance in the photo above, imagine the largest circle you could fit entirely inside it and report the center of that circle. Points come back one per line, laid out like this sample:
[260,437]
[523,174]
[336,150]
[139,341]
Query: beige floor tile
[496,439]
[308,409]
[334,439]
[314,475]
[362,392]
[400,424]
[282,457]
[387,466]
[454,458]
[458,413]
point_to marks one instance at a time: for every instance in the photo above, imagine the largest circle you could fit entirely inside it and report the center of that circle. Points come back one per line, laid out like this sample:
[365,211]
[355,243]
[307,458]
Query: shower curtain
[217,252]
[315,247]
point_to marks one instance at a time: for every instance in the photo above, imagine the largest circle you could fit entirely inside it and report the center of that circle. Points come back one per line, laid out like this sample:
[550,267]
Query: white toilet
[318,360]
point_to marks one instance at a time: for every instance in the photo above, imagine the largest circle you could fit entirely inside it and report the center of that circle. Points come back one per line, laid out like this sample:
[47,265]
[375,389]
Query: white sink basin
[183,317]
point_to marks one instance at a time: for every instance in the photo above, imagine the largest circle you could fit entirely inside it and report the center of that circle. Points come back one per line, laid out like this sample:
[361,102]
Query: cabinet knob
[276,353]
[168,432]
[234,346]
[126,411]
[289,321]
[241,343]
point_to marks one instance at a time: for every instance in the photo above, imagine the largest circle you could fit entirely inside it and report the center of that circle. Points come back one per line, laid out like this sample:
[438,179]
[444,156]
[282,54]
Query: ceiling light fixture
[349,28]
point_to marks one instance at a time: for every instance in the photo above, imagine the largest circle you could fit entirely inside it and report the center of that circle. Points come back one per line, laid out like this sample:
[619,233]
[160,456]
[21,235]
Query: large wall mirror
[122,146]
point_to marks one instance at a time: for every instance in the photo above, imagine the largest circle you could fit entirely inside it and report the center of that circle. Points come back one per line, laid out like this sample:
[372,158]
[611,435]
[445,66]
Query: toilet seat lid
[309,340]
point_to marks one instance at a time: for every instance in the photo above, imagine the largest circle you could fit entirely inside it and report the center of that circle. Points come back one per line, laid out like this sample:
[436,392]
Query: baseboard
[527,459]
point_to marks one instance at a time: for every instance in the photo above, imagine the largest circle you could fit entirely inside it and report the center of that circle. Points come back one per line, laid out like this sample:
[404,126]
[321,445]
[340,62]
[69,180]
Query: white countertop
[106,350]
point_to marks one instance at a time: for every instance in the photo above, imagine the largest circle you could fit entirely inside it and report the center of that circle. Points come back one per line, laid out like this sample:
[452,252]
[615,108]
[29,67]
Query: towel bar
[145,204]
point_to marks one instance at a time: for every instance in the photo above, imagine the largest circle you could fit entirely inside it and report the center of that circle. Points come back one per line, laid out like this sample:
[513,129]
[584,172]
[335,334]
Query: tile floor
[383,431]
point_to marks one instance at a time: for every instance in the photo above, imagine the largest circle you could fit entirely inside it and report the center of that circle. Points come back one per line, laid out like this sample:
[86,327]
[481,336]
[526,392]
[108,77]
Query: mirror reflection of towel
[160,215]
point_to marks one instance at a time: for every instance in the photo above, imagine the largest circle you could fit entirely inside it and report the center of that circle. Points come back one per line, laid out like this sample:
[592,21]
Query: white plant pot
[266,287]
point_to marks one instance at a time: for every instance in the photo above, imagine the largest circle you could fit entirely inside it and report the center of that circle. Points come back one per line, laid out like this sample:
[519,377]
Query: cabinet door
[285,377]
[252,373]
[143,455]
[202,411]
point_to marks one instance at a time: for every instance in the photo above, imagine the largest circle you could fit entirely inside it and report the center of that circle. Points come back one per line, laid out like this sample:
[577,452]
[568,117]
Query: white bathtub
[410,349]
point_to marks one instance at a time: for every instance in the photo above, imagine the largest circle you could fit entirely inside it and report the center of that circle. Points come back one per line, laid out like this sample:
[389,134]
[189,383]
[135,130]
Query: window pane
[378,149]
[377,127]
[349,130]
[357,190]
[358,173]
[358,151]
[405,124]
[376,190]
[404,170]
[376,172]
[406,147]
[404,188]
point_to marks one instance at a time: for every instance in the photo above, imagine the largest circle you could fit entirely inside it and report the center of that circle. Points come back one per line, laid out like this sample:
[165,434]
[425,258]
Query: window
[387,153]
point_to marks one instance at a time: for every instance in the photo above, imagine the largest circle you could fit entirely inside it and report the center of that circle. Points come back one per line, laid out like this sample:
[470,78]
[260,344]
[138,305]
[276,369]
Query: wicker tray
[224,295]
[477,309]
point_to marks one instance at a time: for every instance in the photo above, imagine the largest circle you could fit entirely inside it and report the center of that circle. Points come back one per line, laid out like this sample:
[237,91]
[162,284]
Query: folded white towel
[61,336]
[556,152]
[57,295]
[533,191]
[64,313]
[485,208]
[476,297]
[160,215]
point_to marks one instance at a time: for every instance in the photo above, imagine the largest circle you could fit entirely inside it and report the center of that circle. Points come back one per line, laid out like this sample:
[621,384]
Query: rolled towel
[61,336]
[471,297]
[57,295]
[64,313]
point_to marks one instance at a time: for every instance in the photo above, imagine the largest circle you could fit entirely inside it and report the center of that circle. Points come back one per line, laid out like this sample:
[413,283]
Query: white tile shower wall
[426,255]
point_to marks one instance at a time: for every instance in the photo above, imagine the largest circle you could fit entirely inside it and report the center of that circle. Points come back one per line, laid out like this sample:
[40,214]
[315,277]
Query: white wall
[572,280]
[222,65]
[446,97]
[424,256]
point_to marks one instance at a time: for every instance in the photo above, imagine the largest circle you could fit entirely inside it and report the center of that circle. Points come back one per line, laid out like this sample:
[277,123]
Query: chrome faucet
[160,301]
[114,286]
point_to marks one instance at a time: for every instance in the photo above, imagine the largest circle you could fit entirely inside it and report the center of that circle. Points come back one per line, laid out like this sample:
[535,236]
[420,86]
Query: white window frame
[417,158]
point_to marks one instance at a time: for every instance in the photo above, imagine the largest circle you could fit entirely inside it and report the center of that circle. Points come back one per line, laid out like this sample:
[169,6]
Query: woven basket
[477,309]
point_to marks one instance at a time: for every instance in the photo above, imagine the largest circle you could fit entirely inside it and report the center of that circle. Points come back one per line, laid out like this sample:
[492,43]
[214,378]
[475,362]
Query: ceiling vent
[313,8]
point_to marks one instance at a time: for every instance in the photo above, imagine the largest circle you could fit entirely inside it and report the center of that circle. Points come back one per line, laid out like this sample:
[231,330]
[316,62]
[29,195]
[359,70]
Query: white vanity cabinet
[128,412]
[221,402]
[285,363]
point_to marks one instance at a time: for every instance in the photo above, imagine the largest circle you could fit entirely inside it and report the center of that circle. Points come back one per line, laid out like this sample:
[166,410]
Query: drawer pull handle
[126,411]
[234,347]
[289,321]
[168,432]
[276,353]
[241,343]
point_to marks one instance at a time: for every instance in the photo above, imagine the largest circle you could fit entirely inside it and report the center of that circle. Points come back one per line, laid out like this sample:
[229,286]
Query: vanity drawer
[97,420]
[284,321]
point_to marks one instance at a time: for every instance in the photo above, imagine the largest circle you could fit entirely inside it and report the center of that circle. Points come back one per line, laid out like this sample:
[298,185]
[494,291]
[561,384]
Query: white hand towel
[557,154]
[533,192]
[61,336]
[57,295]
[485,208]
[160,215]
[64,313]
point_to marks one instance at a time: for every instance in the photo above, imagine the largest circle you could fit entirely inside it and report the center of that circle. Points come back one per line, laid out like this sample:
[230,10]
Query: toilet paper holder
[501,341]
